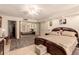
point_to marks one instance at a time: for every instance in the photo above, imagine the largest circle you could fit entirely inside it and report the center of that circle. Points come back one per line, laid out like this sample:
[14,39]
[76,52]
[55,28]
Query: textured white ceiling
[47,10]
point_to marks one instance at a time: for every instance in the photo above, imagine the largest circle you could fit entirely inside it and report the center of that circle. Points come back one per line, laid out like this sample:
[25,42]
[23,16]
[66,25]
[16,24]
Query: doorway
[12,29]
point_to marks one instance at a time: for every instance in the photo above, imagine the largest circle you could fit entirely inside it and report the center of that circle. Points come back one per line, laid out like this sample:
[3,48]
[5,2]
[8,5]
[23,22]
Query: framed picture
[62,21]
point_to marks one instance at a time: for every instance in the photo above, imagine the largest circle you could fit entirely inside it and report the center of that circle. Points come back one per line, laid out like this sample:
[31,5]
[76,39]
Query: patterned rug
[23,42]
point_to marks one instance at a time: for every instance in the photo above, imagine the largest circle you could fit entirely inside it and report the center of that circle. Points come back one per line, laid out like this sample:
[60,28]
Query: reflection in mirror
[29,28]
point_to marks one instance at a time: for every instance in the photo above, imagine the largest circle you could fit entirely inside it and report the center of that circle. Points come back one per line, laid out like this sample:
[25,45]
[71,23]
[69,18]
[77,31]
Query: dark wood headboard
[66,29]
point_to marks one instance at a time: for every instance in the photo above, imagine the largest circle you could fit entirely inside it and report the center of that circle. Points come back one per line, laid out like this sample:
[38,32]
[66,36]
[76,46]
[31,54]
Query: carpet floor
[76,52]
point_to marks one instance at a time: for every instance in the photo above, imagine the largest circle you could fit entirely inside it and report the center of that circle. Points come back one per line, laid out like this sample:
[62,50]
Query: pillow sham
[68,33]
[54,33]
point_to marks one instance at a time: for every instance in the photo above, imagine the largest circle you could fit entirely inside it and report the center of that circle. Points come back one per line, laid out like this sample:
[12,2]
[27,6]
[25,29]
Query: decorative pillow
[60,32]
[68,33]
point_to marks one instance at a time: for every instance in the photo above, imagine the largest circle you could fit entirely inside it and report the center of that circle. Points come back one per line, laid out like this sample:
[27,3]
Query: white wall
[72,22]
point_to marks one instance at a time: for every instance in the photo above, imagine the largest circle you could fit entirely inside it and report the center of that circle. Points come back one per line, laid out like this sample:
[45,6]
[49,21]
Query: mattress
[68,43]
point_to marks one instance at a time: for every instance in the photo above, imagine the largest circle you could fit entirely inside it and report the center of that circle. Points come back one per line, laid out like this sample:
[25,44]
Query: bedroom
[36,25]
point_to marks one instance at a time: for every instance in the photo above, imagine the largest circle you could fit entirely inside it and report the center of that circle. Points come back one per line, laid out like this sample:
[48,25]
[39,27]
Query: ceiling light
[31,9]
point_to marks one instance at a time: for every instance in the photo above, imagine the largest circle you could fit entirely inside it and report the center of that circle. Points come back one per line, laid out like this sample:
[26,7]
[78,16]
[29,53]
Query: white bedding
[68,43]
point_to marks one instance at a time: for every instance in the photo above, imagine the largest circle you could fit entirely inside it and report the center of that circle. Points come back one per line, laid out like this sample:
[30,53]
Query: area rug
[20,43]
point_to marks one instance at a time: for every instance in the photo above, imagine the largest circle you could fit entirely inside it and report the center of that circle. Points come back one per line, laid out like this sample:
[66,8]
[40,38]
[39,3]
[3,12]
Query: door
[12,29]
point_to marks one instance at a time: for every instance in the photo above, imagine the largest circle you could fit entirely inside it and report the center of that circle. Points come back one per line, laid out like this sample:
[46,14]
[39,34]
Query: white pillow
[68,33]
[54,33]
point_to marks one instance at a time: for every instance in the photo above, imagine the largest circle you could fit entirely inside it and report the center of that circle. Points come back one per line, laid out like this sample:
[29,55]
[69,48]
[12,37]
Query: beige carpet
[29,50]
[76,52]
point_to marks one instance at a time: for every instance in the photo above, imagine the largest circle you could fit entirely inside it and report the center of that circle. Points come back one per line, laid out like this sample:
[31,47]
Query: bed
[59,44]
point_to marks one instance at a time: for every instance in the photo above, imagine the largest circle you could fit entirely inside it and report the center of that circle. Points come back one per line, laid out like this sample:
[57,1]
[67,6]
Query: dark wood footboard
[52,48]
